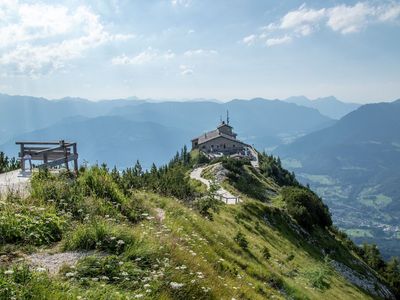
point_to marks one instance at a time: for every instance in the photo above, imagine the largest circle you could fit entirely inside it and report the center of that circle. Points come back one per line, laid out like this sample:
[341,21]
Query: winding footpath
[221,193]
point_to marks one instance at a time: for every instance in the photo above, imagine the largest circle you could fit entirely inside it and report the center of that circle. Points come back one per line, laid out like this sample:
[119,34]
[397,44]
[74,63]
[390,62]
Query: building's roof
[223,124]
[211,135]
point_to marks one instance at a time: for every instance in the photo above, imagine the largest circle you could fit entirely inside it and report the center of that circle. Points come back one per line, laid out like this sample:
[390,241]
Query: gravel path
[221,193]
[160,214]
[53,262]
[15,182]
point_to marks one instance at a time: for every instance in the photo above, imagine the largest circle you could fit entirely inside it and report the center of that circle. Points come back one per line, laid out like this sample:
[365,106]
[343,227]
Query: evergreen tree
[7,164]
[392,274]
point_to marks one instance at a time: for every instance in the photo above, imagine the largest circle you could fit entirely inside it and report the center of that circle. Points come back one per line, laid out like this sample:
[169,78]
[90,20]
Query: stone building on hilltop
[221,140]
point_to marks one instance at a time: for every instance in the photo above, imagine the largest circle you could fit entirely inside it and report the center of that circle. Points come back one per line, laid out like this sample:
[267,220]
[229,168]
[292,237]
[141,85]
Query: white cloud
[186,70]
[250,39]
[389,13]
[278,41]
[302,20]
[349,19]
[39,38]
[344,19]
[184,3]
[147,56]
[200,52]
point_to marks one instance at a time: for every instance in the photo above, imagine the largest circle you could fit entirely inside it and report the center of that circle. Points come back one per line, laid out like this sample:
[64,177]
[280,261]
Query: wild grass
[28,225]
[138,255]
[99,235]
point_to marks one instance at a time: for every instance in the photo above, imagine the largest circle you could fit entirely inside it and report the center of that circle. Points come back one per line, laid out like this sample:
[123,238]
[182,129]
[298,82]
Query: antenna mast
[227,117]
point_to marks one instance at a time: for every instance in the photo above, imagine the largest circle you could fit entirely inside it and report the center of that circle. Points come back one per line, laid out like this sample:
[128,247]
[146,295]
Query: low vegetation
[271,166]
[154,235]
[306,207]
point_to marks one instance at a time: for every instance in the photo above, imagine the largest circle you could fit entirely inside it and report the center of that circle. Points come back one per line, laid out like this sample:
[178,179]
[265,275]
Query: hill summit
[160,234]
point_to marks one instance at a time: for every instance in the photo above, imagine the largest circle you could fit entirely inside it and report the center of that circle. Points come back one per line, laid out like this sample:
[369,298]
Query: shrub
[290,257]
[306,207]
[266,254]
[59,189]
[241,240]
[29,226]
[99,183]
[271,166]
[242,180]
[101,236]
[318,278]
[208,204]
[12,280]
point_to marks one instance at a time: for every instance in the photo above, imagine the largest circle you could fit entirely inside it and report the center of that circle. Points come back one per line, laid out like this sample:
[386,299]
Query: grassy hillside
[137,241]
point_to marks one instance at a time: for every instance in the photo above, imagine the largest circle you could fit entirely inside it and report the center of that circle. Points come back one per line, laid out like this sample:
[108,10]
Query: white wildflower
[120,242]
[40,269]
[139,296]
[70,274]
[176,285]
[9,272]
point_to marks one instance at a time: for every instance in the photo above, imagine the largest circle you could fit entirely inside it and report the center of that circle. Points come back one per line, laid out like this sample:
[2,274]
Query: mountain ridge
[354,164]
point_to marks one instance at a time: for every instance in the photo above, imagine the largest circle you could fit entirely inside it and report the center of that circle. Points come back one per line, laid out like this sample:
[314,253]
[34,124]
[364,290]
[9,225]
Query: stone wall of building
[222,144]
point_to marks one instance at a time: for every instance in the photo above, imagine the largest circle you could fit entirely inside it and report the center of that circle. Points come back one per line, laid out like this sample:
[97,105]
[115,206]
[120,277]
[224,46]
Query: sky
[191,49]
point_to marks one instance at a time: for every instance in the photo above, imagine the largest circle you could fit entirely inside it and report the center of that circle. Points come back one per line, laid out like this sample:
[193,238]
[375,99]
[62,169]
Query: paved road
[14,182]
[222,194]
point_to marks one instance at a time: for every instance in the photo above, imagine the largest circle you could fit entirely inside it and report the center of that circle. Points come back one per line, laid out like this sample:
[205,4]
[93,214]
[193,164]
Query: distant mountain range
[150,131]
[354,163]
[328,106]
[355,166]
[21,114]
[113,140]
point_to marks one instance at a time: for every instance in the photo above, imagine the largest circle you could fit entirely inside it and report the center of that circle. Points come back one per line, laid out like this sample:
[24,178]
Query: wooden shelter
[51,154]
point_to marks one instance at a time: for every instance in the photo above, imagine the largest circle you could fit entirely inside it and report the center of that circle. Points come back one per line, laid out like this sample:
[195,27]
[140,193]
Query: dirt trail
[221,193]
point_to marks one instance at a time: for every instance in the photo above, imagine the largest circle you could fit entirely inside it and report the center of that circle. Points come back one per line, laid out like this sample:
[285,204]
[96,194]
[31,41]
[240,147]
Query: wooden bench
[52,154]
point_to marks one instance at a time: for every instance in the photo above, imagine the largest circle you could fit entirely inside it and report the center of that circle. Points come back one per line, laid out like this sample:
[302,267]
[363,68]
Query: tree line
[7,164]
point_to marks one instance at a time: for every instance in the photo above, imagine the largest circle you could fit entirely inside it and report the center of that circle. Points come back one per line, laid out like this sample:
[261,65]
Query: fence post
[22,154]
[75,160]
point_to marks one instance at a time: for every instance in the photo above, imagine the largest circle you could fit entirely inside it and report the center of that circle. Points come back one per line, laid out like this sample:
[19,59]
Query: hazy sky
[201,49]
